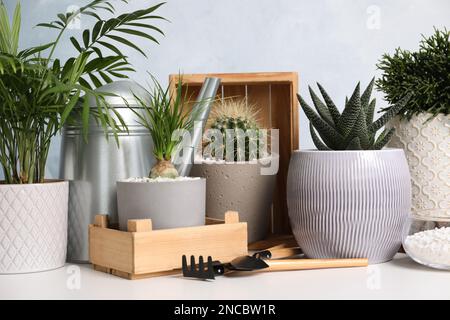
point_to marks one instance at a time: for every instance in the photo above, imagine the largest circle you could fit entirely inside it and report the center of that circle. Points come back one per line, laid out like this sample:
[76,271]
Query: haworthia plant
[354,128]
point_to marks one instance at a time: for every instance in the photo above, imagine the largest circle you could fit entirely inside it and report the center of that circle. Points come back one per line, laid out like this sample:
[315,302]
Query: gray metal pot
[349,204]
[94,167]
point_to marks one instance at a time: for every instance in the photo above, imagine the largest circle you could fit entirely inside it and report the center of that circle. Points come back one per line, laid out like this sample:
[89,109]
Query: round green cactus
[236,120]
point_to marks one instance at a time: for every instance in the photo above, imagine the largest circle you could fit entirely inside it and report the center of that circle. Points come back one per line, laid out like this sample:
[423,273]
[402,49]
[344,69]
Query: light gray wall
[334,42]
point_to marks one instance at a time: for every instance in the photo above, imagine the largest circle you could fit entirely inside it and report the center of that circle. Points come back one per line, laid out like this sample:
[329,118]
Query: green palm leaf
[126,42]
[40,93]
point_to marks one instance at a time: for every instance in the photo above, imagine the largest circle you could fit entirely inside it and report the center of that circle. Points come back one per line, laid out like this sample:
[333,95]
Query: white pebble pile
[201,160]
[160,179]
[430,246]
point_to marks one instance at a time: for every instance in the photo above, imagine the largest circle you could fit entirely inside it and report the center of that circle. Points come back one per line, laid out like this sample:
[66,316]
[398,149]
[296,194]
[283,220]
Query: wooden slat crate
[142,252]
[275,95]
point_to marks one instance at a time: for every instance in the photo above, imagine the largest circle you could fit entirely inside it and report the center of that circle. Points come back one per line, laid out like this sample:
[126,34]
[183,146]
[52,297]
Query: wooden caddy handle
[307,264]
[284,252]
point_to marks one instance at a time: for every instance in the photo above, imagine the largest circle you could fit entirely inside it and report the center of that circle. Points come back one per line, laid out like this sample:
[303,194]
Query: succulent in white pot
[423,125]
[169,200]
[350,198]
[235,178]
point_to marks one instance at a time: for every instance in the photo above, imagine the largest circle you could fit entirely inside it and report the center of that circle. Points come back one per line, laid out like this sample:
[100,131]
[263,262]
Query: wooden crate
[275,94]
[142,252]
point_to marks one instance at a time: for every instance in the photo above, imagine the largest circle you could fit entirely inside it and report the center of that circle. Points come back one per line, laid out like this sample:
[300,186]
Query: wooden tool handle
[307,264]
[284,252]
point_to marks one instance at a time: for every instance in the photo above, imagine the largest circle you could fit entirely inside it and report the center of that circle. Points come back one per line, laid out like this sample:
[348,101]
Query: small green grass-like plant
[163,115]
[39,93]
[354,128]
[423,73]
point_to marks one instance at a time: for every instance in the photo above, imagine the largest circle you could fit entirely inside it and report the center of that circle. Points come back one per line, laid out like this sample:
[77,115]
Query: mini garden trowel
[254,263]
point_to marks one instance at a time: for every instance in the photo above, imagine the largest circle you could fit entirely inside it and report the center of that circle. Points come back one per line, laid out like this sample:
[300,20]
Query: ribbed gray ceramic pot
[170,204]
[347,204]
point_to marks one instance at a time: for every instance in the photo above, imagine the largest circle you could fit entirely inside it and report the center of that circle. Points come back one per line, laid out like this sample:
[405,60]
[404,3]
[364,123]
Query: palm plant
[163,115]
[39,93]
[354,128]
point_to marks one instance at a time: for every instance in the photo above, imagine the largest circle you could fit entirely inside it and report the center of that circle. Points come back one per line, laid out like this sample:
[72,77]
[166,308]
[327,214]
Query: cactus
[354,129]
[235,114]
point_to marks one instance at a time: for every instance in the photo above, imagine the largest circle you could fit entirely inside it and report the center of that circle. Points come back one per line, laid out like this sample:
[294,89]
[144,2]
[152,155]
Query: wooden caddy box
[275,95]
[142,252]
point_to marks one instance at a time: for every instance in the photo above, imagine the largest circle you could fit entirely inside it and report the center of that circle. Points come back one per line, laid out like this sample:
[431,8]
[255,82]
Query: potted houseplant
[423,125]
[233,175]
[349,198]
[38,95]
[170,200]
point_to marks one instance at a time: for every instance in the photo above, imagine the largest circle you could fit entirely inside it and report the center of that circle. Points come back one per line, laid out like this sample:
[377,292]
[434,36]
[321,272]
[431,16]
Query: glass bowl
[427,241]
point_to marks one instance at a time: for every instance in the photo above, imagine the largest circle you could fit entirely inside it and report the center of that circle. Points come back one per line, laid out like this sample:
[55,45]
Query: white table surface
[400,278]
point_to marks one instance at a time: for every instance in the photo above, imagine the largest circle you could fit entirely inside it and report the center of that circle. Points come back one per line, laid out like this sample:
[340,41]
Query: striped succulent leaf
[360,130]
[317,142]
[354,144]
[335,114]
[350,114]
[365,97]
[371,111]
[328,133]
[384,138]
[389,114]
[321,107]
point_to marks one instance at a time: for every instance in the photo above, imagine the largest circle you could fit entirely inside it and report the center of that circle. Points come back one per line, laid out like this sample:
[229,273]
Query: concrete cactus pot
[33,226]
[169,203]
[241,187]
[427,148]
[348,204]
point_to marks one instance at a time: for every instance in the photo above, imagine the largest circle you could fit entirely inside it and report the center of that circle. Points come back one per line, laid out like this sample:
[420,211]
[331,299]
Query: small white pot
[33,226]
[170,204]
[427,149]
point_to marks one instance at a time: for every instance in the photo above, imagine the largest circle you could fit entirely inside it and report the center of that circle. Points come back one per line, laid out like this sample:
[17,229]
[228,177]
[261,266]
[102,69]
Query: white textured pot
[240,187]
[170,204]
[33,226]
[427,149]
[348,204]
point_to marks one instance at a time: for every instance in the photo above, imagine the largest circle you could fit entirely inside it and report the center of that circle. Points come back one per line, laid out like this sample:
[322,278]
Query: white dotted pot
[33,226]
[349,204]
[427,149]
